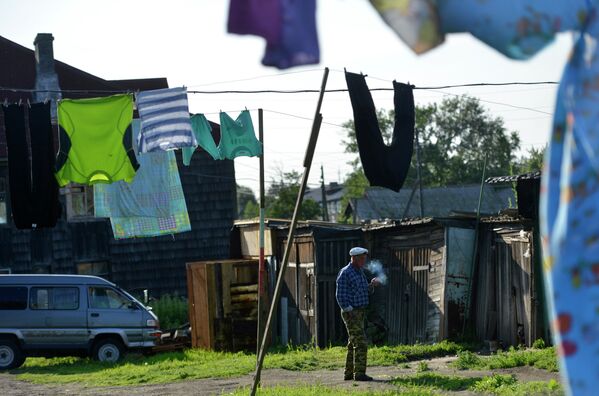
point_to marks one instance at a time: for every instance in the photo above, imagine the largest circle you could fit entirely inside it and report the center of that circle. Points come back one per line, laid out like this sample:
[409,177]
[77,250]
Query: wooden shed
[428,263]
[223,304]
[509,293]
[308,311]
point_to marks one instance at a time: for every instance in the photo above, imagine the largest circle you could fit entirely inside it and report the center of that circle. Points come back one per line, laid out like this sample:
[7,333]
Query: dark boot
[348,377]
[362,377]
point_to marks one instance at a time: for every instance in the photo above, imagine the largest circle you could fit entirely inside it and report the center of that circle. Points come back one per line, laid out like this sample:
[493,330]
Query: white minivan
[58,315]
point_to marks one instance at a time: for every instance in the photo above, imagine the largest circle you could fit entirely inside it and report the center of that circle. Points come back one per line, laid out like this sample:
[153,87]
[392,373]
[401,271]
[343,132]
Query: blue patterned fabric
[569,207]
[152,204]
[165,123]
[352,288]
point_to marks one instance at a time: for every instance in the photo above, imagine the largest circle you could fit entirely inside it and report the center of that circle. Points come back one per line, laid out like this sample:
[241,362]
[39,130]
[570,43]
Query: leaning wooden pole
[475,246]
[300,196]
[261,267]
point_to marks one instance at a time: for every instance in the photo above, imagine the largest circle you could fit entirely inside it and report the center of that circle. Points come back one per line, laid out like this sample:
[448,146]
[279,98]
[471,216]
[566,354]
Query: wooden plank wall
[223,304]
[506,291]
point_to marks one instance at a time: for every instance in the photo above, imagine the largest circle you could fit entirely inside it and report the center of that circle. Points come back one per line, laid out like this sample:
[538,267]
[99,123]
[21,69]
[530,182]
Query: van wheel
[108,350]
[11,355]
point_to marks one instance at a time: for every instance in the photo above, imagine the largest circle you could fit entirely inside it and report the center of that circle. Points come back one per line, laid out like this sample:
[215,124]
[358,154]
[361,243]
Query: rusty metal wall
[506,291]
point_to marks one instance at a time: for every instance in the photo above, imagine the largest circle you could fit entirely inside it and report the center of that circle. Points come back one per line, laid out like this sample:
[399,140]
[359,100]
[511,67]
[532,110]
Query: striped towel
[165,124]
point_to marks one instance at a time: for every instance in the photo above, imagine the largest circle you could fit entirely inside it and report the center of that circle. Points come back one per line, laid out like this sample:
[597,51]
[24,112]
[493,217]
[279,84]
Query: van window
[54,298]
[13,297]
[107,298]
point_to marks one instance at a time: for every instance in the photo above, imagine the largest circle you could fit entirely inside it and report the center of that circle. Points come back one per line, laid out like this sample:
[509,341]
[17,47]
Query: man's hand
[375,282]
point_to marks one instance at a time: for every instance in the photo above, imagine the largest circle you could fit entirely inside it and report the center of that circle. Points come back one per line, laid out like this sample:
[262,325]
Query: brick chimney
[45,74]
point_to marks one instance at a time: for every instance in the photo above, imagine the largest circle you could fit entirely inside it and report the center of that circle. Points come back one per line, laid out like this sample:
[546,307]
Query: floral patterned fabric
[570,183]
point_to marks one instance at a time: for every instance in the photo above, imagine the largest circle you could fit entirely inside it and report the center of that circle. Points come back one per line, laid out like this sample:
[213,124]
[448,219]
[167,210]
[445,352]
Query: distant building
[334,193]
[81,243]
[379,204]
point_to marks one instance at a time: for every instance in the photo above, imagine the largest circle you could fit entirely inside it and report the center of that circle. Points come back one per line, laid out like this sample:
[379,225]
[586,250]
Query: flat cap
[356,251]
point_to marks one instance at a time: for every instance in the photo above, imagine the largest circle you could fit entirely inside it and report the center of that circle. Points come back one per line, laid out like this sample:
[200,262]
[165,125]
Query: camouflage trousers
[357,346]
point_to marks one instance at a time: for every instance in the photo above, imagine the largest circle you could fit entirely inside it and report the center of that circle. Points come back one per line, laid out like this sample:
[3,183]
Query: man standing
[352,297]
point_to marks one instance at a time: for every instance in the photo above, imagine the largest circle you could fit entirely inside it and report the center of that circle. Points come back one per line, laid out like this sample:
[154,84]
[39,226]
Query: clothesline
[283,91]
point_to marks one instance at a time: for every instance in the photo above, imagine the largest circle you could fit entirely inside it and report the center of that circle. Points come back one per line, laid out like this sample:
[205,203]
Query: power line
[278,91]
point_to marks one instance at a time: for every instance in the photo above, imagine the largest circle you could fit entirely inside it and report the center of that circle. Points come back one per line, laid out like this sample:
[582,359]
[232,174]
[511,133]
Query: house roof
[17,70]
[334,192]
[381,203]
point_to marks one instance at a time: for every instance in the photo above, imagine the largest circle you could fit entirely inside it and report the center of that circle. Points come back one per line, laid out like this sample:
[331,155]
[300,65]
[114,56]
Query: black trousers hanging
[384,166]
[32,185]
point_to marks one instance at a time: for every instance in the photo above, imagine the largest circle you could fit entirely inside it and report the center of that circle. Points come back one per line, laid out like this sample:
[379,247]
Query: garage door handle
[95,315]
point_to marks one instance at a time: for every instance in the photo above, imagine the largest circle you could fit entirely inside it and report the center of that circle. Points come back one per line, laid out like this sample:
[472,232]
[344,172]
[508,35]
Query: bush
[539,344]
[467,360]
[171,311]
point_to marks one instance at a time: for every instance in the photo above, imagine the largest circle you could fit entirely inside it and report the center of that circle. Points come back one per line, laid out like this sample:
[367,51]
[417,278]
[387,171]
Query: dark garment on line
[384,166]
[257,17]
[299,40]
[32,185]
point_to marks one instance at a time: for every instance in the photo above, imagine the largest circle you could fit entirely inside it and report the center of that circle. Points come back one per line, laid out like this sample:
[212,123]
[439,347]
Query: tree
[245,197]
[280,200]
[532,161]
[454,137]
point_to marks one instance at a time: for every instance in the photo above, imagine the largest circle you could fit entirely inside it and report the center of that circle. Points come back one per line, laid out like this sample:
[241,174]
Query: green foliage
[494,382]
[545,359]
[433,381]
[540,358]
[282,195]
[539,343]
[422,367]
[245,197]
[532,161]
[466,360]
[310,390]
[454,137]
[171,311]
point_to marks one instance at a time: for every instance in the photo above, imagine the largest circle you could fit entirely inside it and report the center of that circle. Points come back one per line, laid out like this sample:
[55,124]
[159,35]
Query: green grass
[545,359]
[423,384]
[431,383]
[312,390]
[197,363]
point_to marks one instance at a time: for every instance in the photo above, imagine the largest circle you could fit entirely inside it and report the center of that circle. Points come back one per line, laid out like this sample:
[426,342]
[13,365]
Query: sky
[186,41]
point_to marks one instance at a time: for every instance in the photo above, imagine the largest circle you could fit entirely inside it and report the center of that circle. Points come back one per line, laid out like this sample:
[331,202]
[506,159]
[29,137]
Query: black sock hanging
[384,166]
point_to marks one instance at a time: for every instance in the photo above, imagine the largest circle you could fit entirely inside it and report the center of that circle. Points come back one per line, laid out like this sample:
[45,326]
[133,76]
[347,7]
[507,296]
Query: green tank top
[95,140]
[237,137]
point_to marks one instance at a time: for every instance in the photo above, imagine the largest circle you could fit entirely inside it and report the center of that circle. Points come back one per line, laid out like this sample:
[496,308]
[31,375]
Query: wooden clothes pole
[261,268]
[300,196]
[475,246]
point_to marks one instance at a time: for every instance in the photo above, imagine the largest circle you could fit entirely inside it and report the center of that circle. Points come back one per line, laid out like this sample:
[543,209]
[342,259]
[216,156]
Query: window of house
[107,298]
[97,268]
[54,298]
[79,201]
[13,297]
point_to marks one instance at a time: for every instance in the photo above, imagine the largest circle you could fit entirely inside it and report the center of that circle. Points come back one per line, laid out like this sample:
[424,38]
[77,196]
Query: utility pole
[325,209]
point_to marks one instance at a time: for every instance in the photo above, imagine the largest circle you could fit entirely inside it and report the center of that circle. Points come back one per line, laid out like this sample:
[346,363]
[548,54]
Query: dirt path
[9,385]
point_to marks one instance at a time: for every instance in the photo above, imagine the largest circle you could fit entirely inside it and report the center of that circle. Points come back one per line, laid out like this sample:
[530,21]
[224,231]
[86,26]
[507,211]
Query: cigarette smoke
[376,268]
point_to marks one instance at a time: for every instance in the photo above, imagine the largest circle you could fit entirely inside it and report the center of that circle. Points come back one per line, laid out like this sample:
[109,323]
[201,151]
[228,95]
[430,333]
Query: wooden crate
[223,304]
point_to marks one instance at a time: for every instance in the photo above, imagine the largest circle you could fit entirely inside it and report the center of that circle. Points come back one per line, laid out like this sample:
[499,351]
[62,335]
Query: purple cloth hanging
[299,39]
[257,17]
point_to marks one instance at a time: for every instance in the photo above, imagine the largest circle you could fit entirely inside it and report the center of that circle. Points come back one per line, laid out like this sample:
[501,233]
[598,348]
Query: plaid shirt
[352,288]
